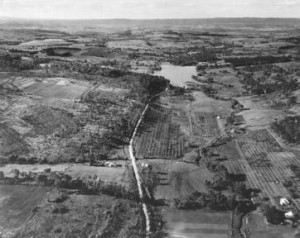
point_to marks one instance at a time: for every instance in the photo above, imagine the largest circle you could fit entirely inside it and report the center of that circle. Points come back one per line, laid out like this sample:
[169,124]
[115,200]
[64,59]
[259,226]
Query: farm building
[284,202]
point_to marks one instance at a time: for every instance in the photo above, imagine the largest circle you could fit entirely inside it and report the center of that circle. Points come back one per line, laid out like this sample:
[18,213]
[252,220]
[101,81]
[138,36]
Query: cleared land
[17,204]
[28,211]
[55,88]
[255,225]
[195,224]
[179,178]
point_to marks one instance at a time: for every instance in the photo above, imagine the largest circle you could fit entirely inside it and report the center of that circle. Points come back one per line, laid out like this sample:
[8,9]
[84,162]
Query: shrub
[213,200]
[273,215]
[288,128]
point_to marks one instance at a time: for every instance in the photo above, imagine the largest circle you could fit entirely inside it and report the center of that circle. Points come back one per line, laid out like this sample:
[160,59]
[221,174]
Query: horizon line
[137,19]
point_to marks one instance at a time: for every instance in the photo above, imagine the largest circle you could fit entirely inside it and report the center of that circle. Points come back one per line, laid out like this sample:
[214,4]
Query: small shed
[289,215]
[284,202]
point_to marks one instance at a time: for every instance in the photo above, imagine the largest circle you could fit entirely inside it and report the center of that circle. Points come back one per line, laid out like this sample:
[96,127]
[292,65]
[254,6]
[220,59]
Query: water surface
[178,75]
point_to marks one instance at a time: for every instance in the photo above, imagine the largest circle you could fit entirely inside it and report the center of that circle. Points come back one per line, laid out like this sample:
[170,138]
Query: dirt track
[135,168]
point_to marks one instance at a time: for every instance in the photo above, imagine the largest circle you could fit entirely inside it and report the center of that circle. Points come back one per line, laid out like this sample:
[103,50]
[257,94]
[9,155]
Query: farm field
[261,118]
[254,163]
[264,162]
[205,124]
[82,214]
[158,136]
[55,88]
[195,224]
[32,210]
[255,225]
[179,178]
[255,145]
[16,205]
[132,44]
[36,168]
[225,76]
[119,175]
[203,103]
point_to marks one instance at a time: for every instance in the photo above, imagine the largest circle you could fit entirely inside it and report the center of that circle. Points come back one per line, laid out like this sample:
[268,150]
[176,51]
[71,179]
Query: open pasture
[43,43]
[256,226]
[197,224]
[222,78]
[52,87]
[128,44]
[121,175]
[202,103]
[17,203]
[179,179]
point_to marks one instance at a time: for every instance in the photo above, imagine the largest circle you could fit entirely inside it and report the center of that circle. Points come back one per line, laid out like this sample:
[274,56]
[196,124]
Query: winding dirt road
[135,168]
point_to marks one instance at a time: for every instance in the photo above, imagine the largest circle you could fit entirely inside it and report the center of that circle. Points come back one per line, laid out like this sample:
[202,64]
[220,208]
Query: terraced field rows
[205,124]
[256,145]
[23,82]
[163,139]
[264,163]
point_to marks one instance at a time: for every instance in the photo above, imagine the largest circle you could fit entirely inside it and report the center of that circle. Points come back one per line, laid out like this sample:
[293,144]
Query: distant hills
[210,23]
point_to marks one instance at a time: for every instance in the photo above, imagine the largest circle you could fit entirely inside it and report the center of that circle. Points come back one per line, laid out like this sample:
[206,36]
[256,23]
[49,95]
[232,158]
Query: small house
[284,202]
[289,215]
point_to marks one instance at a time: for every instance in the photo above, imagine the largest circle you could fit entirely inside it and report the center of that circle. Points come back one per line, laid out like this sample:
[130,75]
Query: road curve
[135,168]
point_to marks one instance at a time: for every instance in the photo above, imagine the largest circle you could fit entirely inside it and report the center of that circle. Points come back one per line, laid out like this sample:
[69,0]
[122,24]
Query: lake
[178,75]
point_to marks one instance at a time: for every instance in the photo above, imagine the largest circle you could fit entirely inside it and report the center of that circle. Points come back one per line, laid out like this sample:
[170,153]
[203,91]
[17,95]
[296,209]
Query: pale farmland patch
[179,178]
[106,88]
[46,42]
[27,168]
[16,205]
[195,224]
[132,44]
[56,88]
[108,174]
[261,118]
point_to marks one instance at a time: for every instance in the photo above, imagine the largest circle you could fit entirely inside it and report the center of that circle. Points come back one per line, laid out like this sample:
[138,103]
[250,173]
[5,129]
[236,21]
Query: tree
[291,101]
[210,80]
[273,215]
[16,173]
[217,201]
[2,177]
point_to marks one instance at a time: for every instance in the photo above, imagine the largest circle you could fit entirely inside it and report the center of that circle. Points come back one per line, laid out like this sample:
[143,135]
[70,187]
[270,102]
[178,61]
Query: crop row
[150,148]
[262,138]
[205,124]
[265,165]
[256,145]
[163,140]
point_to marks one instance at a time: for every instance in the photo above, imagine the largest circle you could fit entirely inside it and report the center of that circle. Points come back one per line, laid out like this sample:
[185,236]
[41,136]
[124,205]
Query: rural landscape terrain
[150,128]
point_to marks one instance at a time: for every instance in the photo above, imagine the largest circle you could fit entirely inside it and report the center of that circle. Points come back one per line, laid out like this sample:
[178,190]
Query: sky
[148,9]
